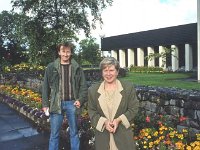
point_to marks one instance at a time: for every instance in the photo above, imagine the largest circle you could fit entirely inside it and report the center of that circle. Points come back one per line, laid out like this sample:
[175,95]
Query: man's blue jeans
[56,121]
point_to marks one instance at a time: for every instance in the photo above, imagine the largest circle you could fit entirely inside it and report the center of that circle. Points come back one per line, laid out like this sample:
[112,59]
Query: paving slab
[18,133]
[36,142]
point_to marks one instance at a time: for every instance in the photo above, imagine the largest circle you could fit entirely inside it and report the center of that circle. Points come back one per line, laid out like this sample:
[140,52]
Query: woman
[112,106]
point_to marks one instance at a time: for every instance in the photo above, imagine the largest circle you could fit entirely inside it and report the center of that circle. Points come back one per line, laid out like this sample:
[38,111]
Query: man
[64,92]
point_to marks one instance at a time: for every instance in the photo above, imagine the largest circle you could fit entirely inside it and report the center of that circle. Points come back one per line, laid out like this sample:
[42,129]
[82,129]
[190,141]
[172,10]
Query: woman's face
[109,74]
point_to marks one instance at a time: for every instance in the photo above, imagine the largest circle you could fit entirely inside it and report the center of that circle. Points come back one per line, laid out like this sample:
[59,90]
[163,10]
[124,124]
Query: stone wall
[168,101]
[172,102]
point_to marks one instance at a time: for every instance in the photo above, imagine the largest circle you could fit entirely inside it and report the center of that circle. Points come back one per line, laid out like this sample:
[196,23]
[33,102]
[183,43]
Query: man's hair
[66,44]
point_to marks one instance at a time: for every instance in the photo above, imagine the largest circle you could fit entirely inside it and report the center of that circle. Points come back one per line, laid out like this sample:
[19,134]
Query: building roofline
[180,34]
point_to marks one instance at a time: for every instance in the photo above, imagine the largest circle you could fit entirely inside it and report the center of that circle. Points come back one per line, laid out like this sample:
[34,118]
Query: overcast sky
[128,16]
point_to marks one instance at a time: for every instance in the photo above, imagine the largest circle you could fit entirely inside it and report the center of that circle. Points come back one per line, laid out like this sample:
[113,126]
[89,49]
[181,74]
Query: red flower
[182,118]
[147,119]
[159,123]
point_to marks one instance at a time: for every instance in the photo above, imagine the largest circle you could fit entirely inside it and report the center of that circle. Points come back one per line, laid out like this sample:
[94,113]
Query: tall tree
[12,38]
[53,21]
[2,53]
[90,51]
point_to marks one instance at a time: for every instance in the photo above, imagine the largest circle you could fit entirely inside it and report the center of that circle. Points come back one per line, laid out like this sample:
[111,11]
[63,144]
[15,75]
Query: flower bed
[28,103]
[158,131]
[155,131]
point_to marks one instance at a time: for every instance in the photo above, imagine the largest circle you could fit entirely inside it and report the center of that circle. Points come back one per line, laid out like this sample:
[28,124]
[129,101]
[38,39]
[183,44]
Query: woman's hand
[115,124]
[109,126]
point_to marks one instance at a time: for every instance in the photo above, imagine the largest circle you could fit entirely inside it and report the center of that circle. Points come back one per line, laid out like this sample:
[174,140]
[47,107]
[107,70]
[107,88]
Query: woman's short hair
[108,61]
[66,44]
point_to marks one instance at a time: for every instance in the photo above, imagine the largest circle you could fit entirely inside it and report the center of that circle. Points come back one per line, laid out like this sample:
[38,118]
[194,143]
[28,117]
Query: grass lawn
[178,80]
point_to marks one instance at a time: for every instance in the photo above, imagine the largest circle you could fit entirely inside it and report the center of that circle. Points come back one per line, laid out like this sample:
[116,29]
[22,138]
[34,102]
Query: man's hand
[46,110]
[77,104]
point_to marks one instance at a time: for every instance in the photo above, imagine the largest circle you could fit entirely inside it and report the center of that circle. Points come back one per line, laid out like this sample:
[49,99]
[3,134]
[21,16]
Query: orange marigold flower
[188,148]
[168,142]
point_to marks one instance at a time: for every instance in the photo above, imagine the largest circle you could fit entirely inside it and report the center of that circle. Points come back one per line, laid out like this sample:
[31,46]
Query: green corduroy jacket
[51,87]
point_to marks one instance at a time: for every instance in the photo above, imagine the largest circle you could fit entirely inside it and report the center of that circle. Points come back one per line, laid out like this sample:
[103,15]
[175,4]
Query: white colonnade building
[132,49]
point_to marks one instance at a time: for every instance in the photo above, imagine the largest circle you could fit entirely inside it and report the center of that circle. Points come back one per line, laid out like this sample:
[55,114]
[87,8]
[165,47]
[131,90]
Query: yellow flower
[198,136]
[185,130]
[146,134]
[155,133]
[157,142]
[149,136]
[160,132]
[196,143]
[150,144]
[180,136]
[179,145]
[161,137]
[171,134]
[197,148]
[145,147]
[188,148]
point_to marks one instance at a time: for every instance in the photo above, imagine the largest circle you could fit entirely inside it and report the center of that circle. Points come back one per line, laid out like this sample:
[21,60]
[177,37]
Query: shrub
[145,69]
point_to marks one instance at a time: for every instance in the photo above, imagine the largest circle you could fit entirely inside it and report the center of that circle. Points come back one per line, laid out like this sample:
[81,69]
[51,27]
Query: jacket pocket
[76,83]
[54,79]
[52,99]
[77,79]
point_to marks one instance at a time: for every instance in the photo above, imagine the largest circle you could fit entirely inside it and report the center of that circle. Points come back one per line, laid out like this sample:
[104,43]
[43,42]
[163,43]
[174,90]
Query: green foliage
[39,26]
[24,70]
[71,15]
[178,80]
[89,52]
[52,22]
[12,41]
[145,69]
[164,54]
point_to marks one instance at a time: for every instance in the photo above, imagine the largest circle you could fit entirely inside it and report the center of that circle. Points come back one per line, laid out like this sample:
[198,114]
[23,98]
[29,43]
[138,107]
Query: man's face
[65,54]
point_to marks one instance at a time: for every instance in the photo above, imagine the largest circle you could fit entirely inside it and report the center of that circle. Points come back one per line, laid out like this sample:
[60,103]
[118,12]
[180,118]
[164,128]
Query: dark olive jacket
[51,89]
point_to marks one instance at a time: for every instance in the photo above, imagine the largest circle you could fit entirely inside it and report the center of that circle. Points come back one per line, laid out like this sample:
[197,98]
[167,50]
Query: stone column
[140,57]
[175,58]
[114,54]
[122,58]
[151,62]
[188,57]
[162,60]
[131,58]
[105,53]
